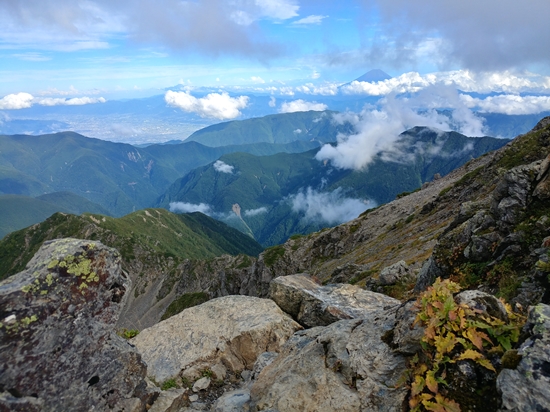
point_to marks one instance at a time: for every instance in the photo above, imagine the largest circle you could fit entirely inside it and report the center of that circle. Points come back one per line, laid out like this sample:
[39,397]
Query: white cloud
[223,167]
[16,101]
[377,130]
[325,89]
[312,19]
[183,207]
[297,131]
[257,79]
[278,9]
[255,212]
[508,104]
[75,101]
[215,105]
[328,207]
[464,80]
[302,106]
[272,102]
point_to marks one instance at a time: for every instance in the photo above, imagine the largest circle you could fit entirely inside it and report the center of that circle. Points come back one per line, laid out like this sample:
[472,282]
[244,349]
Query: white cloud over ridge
[302,106]
[327,207]
[255,212]
[219,106]
[184,207]
[377,130]
[222,167]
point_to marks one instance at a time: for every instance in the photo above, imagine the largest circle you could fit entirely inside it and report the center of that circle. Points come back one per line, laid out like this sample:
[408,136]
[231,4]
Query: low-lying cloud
[219,106]
[255,212]
[184,207]
[464,80]
[302,106]
[508,104]
[222,167]
[377,130]
[328,207]
[18,101]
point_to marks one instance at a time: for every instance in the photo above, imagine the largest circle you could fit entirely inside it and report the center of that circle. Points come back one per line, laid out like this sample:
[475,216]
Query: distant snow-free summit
[375,75]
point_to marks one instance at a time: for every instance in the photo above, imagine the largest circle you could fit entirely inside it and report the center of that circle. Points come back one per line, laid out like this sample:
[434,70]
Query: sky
[123,48]
[207,56]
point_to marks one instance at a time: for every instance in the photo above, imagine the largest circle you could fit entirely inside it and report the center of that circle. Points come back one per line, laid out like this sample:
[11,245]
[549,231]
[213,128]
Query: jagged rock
[527,388]
[390,275]
[59,350]
[511,195]
[233,330]
[344,366]
[315,305]
[428,274]
[234,401]
[484,302]
[170,400]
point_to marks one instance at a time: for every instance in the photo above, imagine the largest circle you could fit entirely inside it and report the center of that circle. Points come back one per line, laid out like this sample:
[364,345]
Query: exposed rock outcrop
[58,350]
[232,330]
[311,304]
[527,388]
[344,366]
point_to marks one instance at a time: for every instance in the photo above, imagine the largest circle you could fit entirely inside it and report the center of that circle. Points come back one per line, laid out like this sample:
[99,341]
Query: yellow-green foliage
[453,333]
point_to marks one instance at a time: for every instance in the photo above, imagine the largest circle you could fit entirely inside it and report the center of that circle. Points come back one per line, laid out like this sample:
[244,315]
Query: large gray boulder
[58,348]
[527,388]
[232,330]
[312,304]
[345,366]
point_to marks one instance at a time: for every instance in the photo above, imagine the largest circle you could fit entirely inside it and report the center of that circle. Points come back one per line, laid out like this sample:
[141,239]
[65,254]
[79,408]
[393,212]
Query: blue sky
[78,52]
[126,48]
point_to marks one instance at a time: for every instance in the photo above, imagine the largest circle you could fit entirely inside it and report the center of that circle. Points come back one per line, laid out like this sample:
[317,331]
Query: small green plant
[168,384]
[206,373]
[128,333]
[453,333]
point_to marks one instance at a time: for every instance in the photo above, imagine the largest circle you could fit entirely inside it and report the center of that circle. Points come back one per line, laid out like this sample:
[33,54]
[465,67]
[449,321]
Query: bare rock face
[58,348]
[345,366]
[314,305]
[527,388]
[233,330]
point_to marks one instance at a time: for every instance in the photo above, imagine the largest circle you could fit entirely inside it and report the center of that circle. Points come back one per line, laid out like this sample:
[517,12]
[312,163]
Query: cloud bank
[377,130]
[508,104]
[223,167]
[327,207]
[255,212]
[17,101]
[214,105]
[302,106]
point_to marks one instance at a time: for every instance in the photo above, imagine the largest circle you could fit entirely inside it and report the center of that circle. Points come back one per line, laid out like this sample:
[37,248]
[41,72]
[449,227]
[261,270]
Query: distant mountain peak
[375,75]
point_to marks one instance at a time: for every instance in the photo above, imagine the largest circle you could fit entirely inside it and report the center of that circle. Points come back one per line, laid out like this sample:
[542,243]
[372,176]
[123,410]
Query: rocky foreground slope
[308,348]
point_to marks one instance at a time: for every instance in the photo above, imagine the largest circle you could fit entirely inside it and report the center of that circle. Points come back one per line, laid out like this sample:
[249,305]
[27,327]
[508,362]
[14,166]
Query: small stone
[219,371]
[246,375]
[193,398]
[201,384]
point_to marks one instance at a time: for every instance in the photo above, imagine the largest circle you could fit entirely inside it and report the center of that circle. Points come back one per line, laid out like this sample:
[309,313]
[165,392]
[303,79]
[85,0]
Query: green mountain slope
[277,128]
[150,240]
[17,211]
[119,177]
[284,194]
